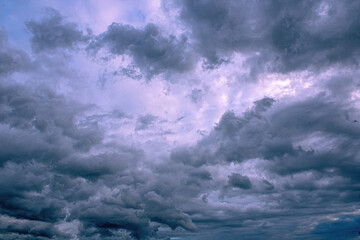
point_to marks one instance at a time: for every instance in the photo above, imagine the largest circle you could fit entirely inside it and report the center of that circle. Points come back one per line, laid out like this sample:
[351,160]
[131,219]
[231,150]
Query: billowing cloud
[51,153]
[239,181]
[152,51]
[178,144]
[53,32]
[278,37]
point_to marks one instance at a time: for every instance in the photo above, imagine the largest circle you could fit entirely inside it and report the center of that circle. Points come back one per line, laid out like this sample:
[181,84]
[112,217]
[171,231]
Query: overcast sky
[179,119]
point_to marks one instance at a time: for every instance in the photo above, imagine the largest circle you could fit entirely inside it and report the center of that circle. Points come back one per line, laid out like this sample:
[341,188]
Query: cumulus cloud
[239,181]
[280,134]
[58,173]
[82,162]
[275,137]
[58,149]
[54,32]
[151,50]
[278,37]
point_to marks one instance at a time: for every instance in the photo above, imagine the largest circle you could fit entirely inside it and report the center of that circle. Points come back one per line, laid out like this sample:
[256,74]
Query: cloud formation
[283,36]
[11,59]
[151,50]
[53,32]
[208,156]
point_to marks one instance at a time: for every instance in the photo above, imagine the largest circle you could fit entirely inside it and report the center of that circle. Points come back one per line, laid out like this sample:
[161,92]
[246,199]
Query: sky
[179,119]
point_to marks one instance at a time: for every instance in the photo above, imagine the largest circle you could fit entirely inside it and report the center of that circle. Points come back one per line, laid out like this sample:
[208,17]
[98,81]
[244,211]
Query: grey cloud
[145,121]
[11,59]
[344,227]
[59,152]
[193,156]
[269,130]
[183,184]
[201,174]
[286,162]
[223,143]
[229,123]
[219,27]
[17,199]
[101,117]
[51,131]
[131,72]
[239,181]
[196,95]
[160,210]
[100,220]
[267,185]
[53,32]
[152,51]
[102,223]
[278,36]
[27,229]
[306,142]
[135,210]
[93,167]
[271,133]
[197,180]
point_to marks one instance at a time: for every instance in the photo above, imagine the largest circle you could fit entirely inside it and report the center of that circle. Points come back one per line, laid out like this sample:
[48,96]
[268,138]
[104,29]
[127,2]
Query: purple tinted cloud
[179,120]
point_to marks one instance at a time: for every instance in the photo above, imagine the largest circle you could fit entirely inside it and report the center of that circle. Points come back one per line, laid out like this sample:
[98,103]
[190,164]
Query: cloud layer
[197,120]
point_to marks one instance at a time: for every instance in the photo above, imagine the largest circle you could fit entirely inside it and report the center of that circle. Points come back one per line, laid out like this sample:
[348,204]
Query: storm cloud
[180,120]
[279,36]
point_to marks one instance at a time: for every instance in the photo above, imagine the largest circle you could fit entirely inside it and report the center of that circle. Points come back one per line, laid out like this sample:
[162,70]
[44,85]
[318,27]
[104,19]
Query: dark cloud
[93,167]
[43,131]
[284,169]
[344,227]
[271,134]
[152,51]
[201,174]
[239,181]
[57,148]
[100,220]
[305,141]
[53,32]
[160,210]
[133,209]
[219,28]
[280,36]
[24,198]
[40,129]
[28,229]
[234,139]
